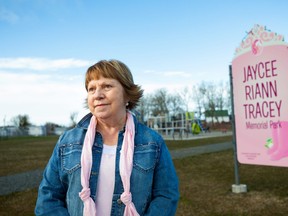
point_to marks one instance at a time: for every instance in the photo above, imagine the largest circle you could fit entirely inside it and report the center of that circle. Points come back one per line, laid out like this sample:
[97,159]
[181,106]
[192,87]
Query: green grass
[179,144]
[25,153]
[18,204]
[22,154]
[205,183]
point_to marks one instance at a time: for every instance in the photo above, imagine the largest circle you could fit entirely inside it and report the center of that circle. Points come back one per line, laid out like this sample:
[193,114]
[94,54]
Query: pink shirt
[106,181]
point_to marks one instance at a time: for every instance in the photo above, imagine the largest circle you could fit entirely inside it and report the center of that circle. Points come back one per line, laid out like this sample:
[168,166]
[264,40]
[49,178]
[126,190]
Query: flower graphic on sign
[269,143]
[256,39]
[256,47]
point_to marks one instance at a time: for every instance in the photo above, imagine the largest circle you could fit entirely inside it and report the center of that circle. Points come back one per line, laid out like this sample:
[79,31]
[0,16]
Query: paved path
[29,180]
[20,182]
[181,153]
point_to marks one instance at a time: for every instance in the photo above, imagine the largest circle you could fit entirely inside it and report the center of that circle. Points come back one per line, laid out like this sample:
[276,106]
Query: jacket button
[119,201]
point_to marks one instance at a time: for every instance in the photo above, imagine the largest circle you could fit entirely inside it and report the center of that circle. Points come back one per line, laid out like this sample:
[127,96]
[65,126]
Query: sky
[46,47]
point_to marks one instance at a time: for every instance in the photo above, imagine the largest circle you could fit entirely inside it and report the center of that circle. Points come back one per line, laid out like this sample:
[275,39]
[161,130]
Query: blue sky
[47,45]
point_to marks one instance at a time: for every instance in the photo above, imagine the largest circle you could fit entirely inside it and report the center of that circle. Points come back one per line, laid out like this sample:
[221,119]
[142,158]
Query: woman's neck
[109,129]
[115,123]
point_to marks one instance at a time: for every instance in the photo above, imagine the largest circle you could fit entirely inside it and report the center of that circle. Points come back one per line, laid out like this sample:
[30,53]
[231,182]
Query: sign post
[237,187]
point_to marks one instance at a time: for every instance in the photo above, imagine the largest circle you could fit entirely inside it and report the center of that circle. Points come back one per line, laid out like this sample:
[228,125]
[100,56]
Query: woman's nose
[98,94]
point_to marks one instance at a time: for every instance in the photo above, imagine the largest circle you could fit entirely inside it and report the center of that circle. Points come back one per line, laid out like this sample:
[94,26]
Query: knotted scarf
[125,166]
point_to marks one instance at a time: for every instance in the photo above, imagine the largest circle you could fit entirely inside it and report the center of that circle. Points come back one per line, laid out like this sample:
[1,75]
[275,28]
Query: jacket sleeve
[165,192]
[52,192]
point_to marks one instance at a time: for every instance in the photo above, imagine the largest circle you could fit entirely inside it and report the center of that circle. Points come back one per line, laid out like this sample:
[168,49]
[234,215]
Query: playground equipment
[186,123]
[198,127]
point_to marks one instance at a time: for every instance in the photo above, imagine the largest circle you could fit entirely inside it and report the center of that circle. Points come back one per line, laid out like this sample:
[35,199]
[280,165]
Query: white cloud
[41,97]
[172,81]
[37,87]
[177,73]
[169,73]
[149,71]
[41,63]
[8,16]
[45,97]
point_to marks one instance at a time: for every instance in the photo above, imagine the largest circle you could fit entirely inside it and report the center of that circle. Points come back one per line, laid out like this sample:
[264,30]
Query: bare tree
[220,96]
[144,107]
[159,102]
[175,104]
[208,97]
[73,118]
[21,121]
[186,96]
[210,104]
[199,97]
[50,128]
[228,97]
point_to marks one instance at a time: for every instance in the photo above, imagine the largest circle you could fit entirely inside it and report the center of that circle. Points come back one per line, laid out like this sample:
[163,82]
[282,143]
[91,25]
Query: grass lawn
[179,144]
[205,181]
[25,153]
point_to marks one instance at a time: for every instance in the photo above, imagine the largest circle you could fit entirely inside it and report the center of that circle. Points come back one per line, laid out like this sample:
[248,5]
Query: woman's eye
[91,89]
[107,87]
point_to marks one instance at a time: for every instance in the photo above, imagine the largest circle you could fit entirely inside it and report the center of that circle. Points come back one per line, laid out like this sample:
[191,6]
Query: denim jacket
[154,183]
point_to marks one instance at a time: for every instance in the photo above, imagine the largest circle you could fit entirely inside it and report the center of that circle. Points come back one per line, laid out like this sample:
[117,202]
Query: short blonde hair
[115,69]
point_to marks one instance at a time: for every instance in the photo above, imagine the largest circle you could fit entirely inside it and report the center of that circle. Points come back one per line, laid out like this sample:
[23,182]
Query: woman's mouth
[100,105]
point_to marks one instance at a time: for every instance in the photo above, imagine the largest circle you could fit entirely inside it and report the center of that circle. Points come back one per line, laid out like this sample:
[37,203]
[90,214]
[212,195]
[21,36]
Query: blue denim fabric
[154,183]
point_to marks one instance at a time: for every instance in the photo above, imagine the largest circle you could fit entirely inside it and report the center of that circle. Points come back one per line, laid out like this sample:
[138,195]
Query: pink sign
[260,88]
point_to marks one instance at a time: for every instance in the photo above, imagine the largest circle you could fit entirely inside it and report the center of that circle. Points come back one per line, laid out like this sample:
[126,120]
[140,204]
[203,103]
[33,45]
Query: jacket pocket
[71,157]
[145,157]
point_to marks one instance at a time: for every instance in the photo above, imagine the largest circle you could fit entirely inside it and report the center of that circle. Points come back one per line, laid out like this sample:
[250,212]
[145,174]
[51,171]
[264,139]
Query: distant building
[217,116]
[36,130]
[54,129]
[31,130]
[8,131]
[59,130]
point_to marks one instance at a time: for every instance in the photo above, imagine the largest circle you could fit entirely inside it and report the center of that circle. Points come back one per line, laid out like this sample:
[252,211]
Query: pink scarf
[125,164]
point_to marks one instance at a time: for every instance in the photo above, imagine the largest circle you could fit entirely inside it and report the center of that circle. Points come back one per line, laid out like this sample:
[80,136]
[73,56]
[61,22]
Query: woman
[109,164]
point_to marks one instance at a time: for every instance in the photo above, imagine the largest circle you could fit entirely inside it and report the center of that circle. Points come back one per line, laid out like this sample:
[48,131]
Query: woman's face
[106,98]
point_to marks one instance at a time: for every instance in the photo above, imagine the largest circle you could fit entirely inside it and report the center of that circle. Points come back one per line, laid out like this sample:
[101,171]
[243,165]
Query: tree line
[202,97]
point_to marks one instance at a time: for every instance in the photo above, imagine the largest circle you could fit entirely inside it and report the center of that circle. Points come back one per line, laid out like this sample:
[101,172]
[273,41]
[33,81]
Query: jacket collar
[85,121]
